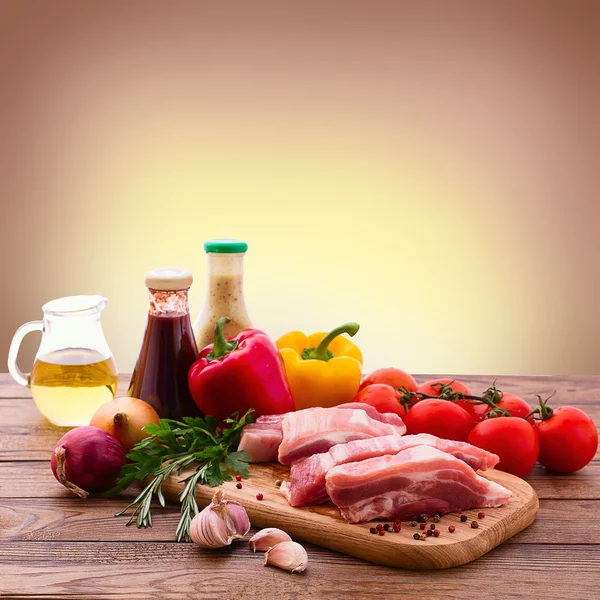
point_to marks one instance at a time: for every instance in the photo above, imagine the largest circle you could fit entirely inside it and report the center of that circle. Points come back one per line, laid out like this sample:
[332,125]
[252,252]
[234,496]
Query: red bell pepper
[240,373]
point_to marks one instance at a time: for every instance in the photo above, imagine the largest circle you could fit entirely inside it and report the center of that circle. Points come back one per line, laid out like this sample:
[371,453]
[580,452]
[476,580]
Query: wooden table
[54,545]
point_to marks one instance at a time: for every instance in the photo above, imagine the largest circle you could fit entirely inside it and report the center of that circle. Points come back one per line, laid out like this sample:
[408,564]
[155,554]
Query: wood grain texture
[141,571]
[54,546]
[72,520]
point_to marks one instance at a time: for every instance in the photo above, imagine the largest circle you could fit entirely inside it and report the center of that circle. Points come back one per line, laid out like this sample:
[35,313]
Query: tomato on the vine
[568,438]
[435,387]
[383,397]
[395,377]
[513,404]
[514,440]
[441,418]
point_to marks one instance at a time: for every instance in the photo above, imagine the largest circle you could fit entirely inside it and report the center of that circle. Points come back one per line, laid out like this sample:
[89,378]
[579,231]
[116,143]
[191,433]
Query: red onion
[87,459]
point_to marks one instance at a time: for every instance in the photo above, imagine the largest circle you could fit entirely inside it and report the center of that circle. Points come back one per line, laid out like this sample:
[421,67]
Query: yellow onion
[124,418]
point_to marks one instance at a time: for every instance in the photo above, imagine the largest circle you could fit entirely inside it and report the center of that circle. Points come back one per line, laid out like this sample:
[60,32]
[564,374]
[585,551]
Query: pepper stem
[321,352]
[221,347]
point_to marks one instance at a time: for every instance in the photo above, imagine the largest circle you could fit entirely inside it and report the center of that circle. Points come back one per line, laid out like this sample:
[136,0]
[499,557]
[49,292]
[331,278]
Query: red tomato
[384,398]
[394,377]
[513,440]
[432,388]
[568,440]
[516,406]
[439,417]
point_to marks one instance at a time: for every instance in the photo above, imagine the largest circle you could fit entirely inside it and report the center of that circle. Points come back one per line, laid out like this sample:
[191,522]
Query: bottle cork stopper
[168,279]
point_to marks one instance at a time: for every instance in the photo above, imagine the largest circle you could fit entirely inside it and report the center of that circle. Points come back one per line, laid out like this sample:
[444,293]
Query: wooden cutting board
[323,525]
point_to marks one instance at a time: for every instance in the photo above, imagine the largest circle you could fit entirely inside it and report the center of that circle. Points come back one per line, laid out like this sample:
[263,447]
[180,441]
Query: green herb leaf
[172,446]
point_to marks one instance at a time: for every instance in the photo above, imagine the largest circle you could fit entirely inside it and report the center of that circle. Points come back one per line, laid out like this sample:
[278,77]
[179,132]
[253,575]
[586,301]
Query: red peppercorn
[238,477]
[474,524]
[451,529]
[396,522]
[436,533]
[259,496]
[397,528]
[481,515]
[238,486]
[382,532]
[422,525]
[379,527]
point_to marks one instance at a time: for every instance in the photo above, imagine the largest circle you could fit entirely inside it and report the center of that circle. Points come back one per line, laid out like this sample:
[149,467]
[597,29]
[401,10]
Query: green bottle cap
[225,246]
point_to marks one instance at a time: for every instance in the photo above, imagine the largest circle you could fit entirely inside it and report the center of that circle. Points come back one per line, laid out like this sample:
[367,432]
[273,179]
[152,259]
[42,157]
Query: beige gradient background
[428,169]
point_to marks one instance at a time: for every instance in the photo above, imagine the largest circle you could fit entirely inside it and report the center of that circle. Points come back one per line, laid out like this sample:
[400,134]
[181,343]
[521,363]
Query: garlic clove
[221,522]
[267,538]
[208,530]
[236,519]
[289,556]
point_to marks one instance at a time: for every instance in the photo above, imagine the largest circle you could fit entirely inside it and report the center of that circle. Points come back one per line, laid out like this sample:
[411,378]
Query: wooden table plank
[35,480]
[26,435]
[146,570]
[563,522]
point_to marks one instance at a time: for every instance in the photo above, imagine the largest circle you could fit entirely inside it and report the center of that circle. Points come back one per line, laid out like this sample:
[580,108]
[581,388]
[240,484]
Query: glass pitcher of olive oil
[74,371]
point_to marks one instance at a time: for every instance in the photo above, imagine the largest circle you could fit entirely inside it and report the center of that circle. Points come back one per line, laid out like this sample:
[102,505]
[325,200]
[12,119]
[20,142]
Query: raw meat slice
[307,477]
[417,481]
[261,440]
[312,431]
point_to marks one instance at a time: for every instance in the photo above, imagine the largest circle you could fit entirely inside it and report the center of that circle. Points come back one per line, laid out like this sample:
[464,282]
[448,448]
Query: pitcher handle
[13,351]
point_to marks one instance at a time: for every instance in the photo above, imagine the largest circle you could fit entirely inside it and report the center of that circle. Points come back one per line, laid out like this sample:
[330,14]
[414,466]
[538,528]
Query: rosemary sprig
[172,446]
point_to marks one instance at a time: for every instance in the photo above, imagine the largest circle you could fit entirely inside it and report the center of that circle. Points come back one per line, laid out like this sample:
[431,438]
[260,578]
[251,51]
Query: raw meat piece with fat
[309,432]
[262,439]
[418,481]
[307,477]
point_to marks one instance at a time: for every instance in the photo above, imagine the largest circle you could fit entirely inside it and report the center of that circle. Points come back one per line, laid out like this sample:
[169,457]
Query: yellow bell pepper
[322,369]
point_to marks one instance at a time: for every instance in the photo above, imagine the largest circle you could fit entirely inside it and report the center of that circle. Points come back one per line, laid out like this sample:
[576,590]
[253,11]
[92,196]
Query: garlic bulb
[289,556]
[221,522]
[267,538]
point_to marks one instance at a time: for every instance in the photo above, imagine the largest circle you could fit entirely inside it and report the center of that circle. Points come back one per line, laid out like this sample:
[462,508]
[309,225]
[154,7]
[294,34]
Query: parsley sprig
[170,447]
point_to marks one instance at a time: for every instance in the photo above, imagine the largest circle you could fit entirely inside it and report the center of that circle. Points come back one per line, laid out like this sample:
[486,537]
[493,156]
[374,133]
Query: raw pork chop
[307,477]
[262,439]
[309,432]
[417,481]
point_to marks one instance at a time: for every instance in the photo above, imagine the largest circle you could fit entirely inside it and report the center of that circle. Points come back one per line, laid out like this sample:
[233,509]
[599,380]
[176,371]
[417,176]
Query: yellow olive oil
[69,385]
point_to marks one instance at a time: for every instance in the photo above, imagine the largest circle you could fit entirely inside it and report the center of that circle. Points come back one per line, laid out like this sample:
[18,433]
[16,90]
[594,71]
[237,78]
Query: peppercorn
[381,532]
[259,496]
[238,477]
[238,486]
[379,527]
[416,536]
[397,528]
[387,526]
[422,519]
[451,529]
[432,526]
[436,533]
[422,525]
[373,530]
[278,483]
[423,537]
[463,518]
[437,519]
[413,523]
[481,515]
[397,523]
[474,524]
[429,533]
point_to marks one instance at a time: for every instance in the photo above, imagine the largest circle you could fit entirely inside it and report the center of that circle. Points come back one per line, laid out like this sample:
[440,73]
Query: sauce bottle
[225,292]
[168,350]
